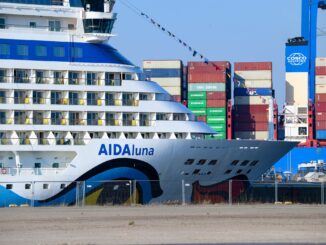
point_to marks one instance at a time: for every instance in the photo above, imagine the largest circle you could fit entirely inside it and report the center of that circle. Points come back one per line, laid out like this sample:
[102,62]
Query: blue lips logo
[297,59]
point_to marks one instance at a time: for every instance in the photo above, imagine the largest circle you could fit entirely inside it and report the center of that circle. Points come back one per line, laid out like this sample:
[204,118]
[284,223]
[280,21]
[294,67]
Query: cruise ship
[74,110]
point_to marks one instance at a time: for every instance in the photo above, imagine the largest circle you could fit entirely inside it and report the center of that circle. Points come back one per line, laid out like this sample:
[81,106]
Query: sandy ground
[211,224]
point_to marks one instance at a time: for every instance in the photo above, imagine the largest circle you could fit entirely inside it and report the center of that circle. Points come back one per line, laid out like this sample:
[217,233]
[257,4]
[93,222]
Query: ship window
[27,186]
[71,26]
[41,50]
[196,171]
[8,186]
[76,52]
[248,171]
[37,165]
[54,25]
[201,162]
[212,162]
[4,49]
[2,23]
[59,51]
[62,186]
[55,165]
[239,171]
[22,50]
[45,186]
[228,171]
[254,163]
[189,161]
[245,163]
[32,24]
[235,162]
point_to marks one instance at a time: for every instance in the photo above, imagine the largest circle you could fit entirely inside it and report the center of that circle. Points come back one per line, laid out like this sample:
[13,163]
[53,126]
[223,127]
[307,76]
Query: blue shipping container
[149,73]
[321,134]
[253,92]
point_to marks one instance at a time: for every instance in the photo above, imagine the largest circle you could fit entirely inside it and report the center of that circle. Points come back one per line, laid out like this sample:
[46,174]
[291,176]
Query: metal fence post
[230,192]
[276,191]
[135,193]
[77,194]
[322,196]
[33,194]
[83,194]
[183,192]
[130,193]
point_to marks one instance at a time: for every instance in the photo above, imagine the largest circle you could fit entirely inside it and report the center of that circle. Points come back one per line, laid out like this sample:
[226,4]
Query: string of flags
[168,32]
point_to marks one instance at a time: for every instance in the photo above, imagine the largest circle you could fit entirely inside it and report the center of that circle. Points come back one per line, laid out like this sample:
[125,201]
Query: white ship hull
[157,166]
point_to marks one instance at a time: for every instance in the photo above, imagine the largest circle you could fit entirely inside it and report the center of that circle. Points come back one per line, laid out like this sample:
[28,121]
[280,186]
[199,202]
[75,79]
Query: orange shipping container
[252,66]
[216,103]
[215,96]
[320,97]
[320,70]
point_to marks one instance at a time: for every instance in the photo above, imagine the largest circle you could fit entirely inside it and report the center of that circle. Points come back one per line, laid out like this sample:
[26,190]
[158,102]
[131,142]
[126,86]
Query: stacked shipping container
[209,88]
[320,99]
[169,75]
[253,96]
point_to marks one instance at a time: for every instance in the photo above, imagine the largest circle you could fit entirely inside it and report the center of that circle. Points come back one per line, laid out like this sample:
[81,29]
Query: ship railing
[30,171]
[38,27]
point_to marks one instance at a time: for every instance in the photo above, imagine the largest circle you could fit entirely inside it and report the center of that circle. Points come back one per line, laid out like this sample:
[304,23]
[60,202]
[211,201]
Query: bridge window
[54,25]
[212,162]
[245,163]
[27,186]
[2,23]
[22,50]
[76,52]
[41,50]
[189,161]
[32,24]
[235,162]
[45,186]
[59,51]
[9,186]
[4,49]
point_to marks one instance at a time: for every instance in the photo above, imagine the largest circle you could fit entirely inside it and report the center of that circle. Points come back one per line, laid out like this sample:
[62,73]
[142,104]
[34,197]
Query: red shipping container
[320,98]
[216,103]
[260,117]
[320,70]
[320,116]
[251,126]
[320,106]
[177,98]
[201,118]
[251,108]
[321,125]
[215,96]
[253,66]
[209,65]
[207,77]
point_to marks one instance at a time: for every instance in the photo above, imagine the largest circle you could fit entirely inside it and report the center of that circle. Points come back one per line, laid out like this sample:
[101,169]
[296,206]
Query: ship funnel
[108,5]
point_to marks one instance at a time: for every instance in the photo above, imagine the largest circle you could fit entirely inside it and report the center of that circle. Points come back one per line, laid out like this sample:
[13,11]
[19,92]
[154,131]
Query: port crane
[309,33]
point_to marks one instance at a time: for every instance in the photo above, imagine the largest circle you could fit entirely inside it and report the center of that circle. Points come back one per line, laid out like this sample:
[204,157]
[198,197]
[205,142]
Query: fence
[133,192]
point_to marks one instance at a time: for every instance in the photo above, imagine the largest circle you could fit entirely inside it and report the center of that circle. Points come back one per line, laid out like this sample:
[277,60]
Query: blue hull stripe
[91,53]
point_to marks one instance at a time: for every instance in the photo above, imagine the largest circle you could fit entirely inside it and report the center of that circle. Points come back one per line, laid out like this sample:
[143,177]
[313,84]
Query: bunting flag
[152,21]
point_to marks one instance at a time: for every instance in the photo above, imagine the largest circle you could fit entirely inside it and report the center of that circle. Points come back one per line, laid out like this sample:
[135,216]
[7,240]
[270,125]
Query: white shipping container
[252,100]
[297,88]
[168,82]
[320,61]
[320,80]
[173,90]
[253,83]
[162,64]
[296,130]
[320,89]
[253,135]
[253,75]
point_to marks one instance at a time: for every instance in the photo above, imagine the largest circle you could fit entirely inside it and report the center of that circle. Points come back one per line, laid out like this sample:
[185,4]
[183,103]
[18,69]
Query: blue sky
[238,30]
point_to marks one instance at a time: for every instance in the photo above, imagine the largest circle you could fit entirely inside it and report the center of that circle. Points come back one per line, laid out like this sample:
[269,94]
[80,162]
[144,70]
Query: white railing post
[230,192]
[183,192]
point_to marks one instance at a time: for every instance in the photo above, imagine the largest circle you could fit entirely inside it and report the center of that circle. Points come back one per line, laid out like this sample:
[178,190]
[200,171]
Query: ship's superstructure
[73,109]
